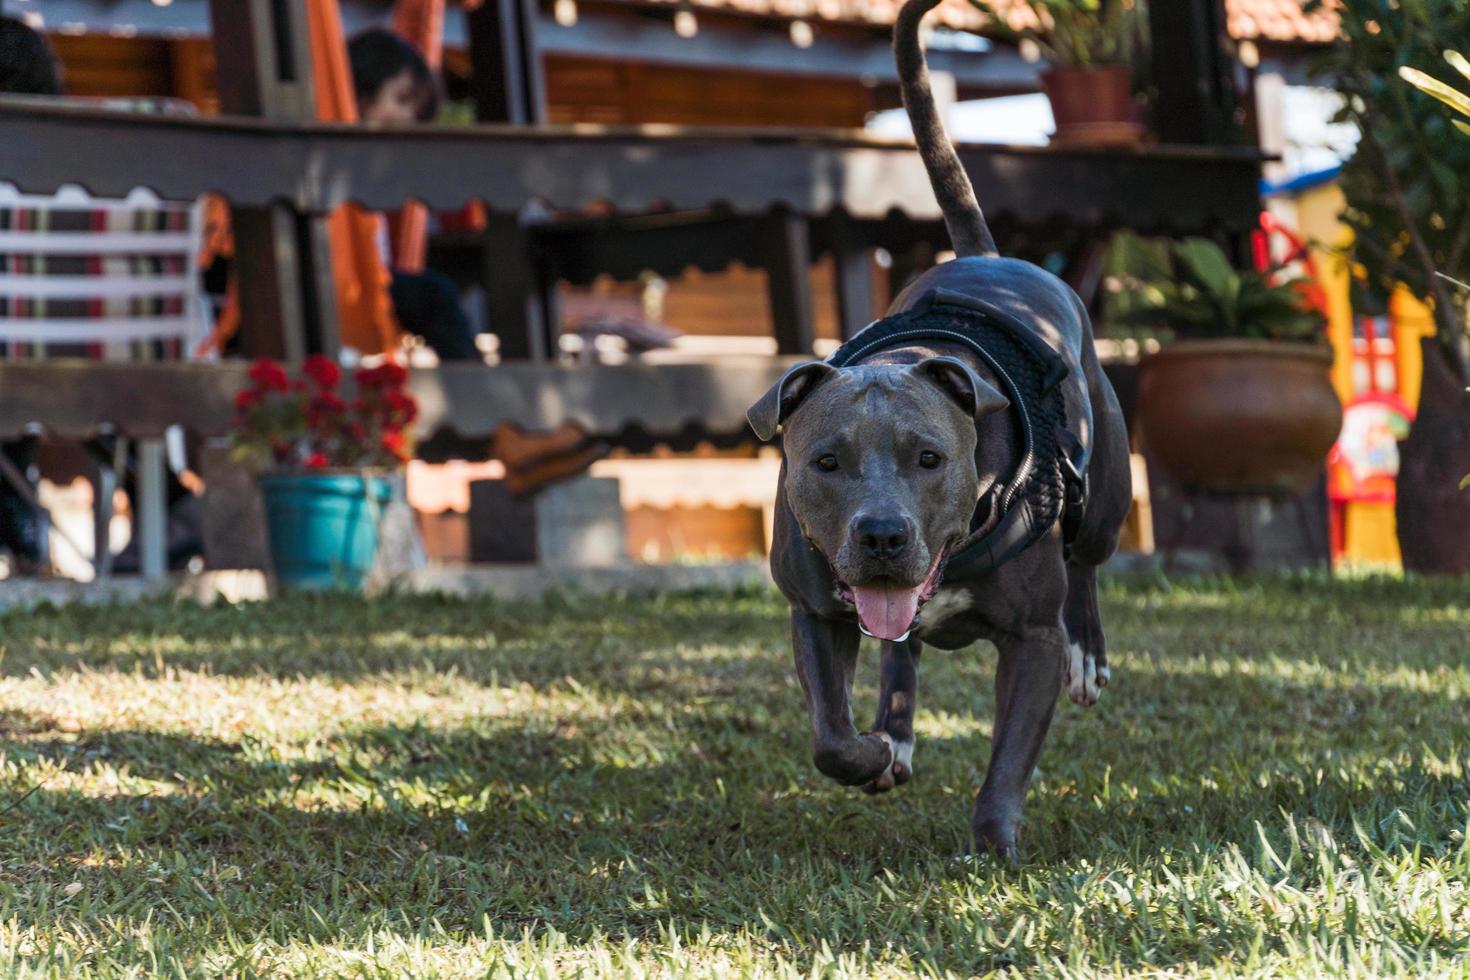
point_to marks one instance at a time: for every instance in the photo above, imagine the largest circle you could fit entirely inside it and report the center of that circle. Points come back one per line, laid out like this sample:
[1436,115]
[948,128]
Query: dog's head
[880,473]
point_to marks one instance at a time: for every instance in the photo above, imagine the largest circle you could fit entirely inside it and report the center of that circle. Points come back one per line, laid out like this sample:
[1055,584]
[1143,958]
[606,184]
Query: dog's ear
[766,415]
[973,393]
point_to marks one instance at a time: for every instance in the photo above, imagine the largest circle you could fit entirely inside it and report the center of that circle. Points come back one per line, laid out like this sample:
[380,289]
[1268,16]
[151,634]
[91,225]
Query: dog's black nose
[882,537]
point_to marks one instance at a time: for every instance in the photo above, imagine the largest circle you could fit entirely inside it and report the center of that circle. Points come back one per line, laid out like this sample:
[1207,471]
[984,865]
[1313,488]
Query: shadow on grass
[711,816]
[528,832]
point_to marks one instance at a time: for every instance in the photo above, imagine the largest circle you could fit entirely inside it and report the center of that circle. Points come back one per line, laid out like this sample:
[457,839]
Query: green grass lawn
[1275,783]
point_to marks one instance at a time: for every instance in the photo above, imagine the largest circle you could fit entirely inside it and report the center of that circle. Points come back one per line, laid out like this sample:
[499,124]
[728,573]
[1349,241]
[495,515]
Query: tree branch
[1462,238]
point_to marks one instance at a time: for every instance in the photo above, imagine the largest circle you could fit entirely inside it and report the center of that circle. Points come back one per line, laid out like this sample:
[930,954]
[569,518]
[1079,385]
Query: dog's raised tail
[968,232]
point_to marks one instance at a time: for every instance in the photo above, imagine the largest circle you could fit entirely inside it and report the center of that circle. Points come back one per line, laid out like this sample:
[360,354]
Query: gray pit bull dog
[955,472]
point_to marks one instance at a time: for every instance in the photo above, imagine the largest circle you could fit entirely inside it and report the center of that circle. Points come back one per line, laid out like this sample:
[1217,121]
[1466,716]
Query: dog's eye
[827,463]
[928,460]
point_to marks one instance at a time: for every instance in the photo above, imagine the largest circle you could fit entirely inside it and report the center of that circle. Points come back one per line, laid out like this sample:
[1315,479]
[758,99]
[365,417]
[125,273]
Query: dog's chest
[948,621]
[946,605]
[958,616]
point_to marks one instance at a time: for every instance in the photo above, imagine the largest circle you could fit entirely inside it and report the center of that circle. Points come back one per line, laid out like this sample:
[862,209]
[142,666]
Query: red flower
[323,370]
[394,375]
[303,422]
[385,375]
[393,441]
[324,407]
[400,408]
[1312,294]
[269,375]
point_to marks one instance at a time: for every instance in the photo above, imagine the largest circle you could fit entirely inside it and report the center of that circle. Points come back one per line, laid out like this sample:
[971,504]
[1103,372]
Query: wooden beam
[508,83]
[76,398]
[1160,189]
[786,251]
[1193,73]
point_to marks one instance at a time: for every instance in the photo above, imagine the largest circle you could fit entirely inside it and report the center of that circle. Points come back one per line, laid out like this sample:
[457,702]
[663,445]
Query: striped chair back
[104,278]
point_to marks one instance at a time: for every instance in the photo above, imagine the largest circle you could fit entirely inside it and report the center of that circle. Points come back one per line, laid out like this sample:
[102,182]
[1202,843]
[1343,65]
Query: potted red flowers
[326,457]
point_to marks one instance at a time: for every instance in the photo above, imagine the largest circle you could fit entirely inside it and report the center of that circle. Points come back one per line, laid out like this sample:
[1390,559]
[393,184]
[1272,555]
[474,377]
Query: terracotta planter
[1240,416]
[1093,106]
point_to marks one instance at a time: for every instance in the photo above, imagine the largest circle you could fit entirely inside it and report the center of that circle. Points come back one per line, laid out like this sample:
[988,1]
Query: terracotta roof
[957,14]
[1280,20]
[1267,20]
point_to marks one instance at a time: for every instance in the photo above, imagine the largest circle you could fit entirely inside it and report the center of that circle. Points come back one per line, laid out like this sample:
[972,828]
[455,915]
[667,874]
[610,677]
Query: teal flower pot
[323,527]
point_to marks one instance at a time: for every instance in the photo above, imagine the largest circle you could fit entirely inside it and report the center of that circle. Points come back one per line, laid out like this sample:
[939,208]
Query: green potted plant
[1410,214]
[1240,400]
[325,464]
[1090,47]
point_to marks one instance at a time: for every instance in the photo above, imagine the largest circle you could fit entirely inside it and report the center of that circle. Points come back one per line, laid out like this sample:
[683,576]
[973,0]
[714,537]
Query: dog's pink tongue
[886,613]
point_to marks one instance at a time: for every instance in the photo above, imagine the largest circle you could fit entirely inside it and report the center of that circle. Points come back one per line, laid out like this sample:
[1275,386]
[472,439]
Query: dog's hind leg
[1027,680]
[826,659]
[895,721]
[1087,648]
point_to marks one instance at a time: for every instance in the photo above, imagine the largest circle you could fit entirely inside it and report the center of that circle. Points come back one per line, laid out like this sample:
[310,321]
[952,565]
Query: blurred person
[394,86]
[27,67]
[27,64]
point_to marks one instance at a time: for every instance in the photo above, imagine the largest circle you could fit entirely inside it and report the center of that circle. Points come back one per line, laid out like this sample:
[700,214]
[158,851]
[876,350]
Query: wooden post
[515,293]
[852,271]
[508,86]
[787,255]
[908,263]
[151,521]
[272,316]
[287,302]
[263,56]
[508,83]
[1193,73]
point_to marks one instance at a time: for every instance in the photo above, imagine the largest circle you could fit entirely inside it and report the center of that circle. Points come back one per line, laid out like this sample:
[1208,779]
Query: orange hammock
[359,277]
[420,23]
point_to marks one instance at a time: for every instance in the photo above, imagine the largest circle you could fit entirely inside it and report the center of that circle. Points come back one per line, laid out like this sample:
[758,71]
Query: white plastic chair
[122,275]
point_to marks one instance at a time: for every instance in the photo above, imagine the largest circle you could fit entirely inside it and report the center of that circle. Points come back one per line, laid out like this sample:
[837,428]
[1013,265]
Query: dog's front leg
[899,687]
[1027,681]
[826,658]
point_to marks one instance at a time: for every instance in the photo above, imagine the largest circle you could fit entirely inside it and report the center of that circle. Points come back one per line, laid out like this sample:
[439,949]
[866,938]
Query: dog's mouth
[889,611]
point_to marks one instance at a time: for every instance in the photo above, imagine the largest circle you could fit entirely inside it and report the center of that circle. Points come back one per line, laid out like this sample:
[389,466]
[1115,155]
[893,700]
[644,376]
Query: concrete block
[576,522]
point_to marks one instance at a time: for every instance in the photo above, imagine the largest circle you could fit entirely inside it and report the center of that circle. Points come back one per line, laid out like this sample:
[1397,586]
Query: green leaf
[1206,262]
[1433,86]
[1458,62]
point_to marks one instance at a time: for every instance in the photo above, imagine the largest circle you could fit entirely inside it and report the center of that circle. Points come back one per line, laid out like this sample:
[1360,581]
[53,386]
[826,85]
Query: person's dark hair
[378,55]
[27,66]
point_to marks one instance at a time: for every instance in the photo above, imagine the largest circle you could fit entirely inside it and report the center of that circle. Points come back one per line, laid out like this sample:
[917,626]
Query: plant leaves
[1206,262]
[1458,62]
[1430,85]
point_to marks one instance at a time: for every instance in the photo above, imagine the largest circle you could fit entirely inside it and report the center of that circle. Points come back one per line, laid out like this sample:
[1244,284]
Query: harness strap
[1005,521]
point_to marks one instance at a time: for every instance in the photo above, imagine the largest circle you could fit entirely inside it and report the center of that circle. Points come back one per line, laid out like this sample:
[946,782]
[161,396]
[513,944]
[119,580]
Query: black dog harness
[1049,483]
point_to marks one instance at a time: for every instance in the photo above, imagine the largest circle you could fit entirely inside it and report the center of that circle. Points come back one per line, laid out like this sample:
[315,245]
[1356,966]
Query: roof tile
[1256,20]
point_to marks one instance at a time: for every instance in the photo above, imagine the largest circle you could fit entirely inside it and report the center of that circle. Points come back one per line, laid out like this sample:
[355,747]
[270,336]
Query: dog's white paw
[900,767]
[1084,679]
